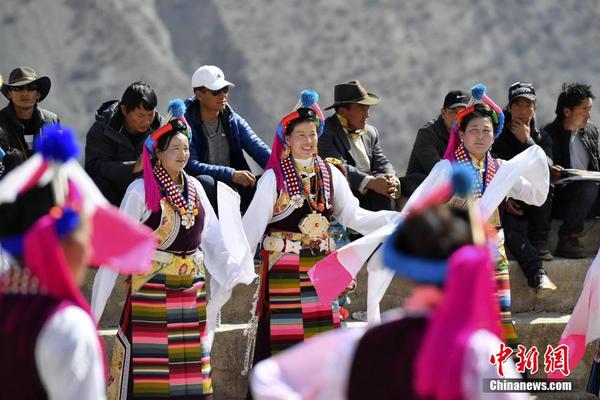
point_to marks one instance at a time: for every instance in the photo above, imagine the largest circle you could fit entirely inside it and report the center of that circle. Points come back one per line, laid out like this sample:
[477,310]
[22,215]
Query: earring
[158,162]
[287,151]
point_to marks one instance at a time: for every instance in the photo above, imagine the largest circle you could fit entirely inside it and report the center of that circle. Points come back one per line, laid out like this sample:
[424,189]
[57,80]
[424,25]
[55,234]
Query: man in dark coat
[114,143]
[571,141]
[526,227]
[347,137]
[431,142]
[22,119]
[219,138]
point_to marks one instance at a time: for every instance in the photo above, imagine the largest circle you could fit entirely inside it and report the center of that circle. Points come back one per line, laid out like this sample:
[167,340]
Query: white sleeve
[315,369]
[69,358]
[134,205]
[524,177]
[260,211]
[477,367]
[347,211]
[227,256]
[440,174]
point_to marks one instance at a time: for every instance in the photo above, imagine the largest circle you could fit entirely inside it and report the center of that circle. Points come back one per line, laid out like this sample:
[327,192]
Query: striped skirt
[504,298]
[170,356]
[295,312]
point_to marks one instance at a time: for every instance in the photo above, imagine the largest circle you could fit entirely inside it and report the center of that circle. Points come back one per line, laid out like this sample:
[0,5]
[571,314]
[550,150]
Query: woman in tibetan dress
[295,200]
[166,319]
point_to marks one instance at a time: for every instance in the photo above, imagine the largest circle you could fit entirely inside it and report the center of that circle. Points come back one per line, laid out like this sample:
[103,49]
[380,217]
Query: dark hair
[177,127]
[17,217]
[139,93]
[571,95]
[306,115]
[480,110]
[445,229]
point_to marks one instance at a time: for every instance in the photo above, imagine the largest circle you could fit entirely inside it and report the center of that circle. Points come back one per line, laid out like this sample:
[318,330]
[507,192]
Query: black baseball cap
[521,89]
[456,98]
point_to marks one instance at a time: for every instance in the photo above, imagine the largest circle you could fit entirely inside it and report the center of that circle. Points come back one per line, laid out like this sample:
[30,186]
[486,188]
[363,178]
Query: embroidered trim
[462,157]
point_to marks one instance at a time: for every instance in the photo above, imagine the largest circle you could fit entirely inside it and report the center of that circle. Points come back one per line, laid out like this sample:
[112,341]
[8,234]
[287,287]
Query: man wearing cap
[347,136]
[114,143]
[22,118]
[526,227]
[219,137]
[572,142]
[431,141]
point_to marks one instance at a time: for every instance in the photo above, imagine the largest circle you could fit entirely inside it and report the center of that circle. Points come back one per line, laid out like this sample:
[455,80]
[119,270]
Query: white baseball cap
[211,77]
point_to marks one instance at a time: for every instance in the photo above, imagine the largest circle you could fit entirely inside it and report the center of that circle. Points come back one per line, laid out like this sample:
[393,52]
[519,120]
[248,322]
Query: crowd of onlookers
[220,137]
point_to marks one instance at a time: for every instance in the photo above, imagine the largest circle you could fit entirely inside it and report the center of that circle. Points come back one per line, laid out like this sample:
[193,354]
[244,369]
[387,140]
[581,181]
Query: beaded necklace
[299,189]
[188,210]
[463,157]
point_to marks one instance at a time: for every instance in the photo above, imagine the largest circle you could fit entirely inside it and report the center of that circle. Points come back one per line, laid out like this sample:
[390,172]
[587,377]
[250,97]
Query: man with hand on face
[526,227]
[348,137]
[571,141]
[23,118]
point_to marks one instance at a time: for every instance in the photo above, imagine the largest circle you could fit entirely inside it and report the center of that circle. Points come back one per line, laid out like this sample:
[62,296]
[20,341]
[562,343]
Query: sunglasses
[218,92]
[32,87]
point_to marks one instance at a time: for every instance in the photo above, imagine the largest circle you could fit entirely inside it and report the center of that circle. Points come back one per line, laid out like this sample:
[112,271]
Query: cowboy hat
[352,92]
[23,76]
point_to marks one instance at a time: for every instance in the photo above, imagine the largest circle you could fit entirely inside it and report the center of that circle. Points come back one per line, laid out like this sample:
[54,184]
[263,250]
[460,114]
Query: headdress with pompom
[469,296]
[477,96]
[42,201]
[175,122]
[306,107]
[418,269]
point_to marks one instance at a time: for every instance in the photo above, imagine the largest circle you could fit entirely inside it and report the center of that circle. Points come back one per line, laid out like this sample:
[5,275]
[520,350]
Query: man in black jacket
[526,227]
[572,142]
[22,119]
[431,142]
[114,143]
[347,137]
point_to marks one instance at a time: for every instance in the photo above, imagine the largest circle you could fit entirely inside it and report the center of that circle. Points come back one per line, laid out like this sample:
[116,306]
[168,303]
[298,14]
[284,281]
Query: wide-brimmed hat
[352,92]
[24,76]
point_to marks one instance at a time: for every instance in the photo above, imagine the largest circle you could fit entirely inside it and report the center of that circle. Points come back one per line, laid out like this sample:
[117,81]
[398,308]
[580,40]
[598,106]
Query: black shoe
[570,247]
[545,255]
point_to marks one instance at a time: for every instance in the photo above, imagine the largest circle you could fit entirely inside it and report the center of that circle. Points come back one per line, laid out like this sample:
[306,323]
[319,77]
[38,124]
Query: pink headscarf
[470,286]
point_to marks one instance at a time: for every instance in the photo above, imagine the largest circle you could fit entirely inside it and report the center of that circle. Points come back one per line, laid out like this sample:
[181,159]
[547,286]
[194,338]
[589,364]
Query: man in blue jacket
[219,137]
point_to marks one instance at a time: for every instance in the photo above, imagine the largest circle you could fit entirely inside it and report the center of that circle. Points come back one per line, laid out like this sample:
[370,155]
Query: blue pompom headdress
[477,96]
[419,269]
[175,122]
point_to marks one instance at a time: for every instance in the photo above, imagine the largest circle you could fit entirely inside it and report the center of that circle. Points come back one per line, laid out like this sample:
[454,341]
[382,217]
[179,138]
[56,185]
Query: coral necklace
[188,210]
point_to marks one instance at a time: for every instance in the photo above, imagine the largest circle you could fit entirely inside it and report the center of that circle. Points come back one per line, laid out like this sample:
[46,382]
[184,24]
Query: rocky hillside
[409,52]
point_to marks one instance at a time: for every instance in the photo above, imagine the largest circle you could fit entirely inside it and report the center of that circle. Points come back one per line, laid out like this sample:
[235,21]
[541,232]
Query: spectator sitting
[23,118]
[571,141]
[219,135]
[526,227]
[348,137]
[431,142]
[113,149]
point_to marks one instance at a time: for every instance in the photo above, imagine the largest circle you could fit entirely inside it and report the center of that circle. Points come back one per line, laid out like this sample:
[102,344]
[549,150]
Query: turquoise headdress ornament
[420,269]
